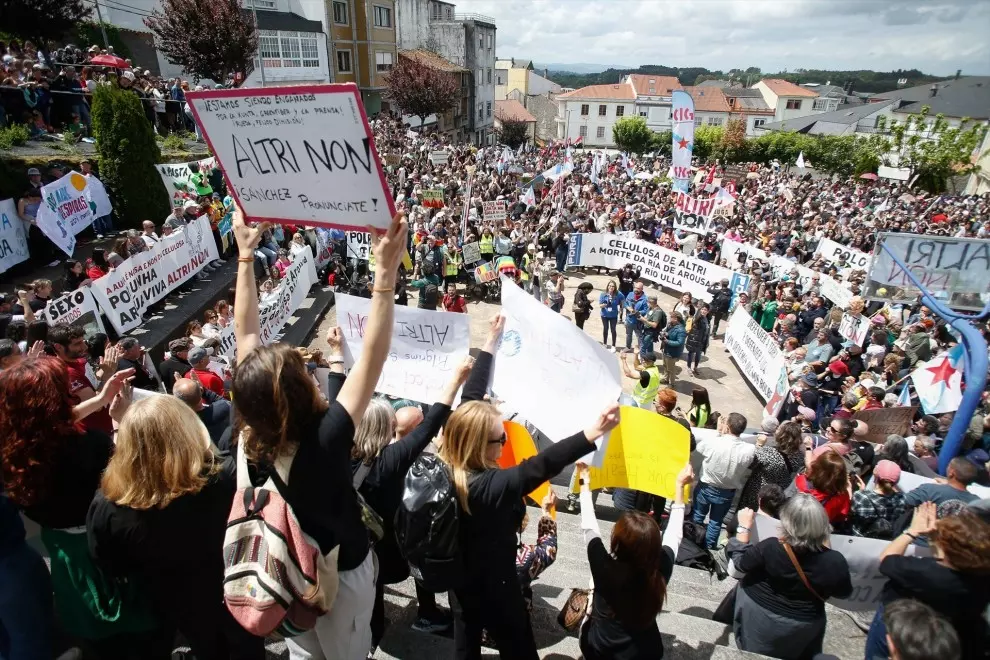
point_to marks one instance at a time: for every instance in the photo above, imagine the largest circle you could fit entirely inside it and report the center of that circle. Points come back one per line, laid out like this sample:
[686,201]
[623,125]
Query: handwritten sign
[570,377]
[854,328]
[175,177]
[667,268]
[297,155]
[758,358]
[358,245]
[471,252]
[432,198]
[276,308]
[644,452]
[834,253]
[886,421]
[439,157]
[836,292]
[493,211]
[485,273]
[76,308]
[13,236]
[955,270]
[427,346]
[863,557]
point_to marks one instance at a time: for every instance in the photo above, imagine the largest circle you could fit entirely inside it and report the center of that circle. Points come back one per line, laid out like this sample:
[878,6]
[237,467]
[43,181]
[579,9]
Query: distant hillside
[580,67]
[863,81]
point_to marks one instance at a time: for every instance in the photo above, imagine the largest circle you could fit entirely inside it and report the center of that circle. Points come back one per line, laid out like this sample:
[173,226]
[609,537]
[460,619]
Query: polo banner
[693,214]
[836,253]
[682,136]
[667,268]
[358,245]
[125,293]
[178,178]
[76,308]
[297,155]
[759,359]
[956,271]
[13,236]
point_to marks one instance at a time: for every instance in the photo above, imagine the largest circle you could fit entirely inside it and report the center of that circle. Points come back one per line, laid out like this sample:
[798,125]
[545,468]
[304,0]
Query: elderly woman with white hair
[780,602]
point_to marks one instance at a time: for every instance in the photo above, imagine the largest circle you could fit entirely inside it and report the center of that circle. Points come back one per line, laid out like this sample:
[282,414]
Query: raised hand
[389,246]
[247,237]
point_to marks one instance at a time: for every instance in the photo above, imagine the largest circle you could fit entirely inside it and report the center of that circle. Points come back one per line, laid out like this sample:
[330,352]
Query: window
[714,121]
[344,61]
[583,131]
[620,110]
[268,48]
[642,113]
[601,132]
[340,13]
[820,104]
[310,50]
[602,110]
[481,110]
[383,62]
[480,78]
[450,13]
[289,49]
[794,104]
[697,122]
[481,41]
[383,17]
[260,4]
[488,108]
[584,109]
[489,76]
[758,122]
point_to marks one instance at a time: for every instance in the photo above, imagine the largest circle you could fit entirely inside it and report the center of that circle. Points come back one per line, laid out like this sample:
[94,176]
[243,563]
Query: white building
[790,101]
[590,112]
[653,97]
[292,40]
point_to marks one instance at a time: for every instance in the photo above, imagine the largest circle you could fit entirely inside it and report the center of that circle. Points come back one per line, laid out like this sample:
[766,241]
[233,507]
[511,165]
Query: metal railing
[477,18]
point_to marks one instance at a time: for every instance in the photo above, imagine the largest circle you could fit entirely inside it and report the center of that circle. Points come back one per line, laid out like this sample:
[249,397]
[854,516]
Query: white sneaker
[54,263]
[216,263]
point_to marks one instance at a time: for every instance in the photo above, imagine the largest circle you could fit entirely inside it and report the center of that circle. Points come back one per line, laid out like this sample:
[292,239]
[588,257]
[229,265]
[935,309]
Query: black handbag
[726,610]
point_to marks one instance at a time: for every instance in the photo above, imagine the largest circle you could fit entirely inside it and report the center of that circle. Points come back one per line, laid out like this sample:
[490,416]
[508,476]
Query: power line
[127,9]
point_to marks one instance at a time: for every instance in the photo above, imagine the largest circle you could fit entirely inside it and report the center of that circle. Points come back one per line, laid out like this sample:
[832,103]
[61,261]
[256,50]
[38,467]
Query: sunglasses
[501,440]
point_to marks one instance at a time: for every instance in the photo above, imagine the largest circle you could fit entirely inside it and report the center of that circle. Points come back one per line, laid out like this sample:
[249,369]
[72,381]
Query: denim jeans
[631,331]
[715,502]
[876,637]
[103,225]
[269,254]
[608,324]
[693,357]
[560,257]
[645,344]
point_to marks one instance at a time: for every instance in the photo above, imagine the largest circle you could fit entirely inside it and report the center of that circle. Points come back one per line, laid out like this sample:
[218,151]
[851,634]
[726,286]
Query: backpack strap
[360,474]
[243,479]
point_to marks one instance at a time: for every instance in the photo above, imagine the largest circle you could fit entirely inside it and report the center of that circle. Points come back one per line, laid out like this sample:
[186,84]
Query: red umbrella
[869,175]
[110,60]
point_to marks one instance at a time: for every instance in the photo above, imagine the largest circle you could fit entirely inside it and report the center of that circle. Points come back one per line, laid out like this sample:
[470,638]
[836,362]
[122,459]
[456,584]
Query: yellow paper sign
[645,452]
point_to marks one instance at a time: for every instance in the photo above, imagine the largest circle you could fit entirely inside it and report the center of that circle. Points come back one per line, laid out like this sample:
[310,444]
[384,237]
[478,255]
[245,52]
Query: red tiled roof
[616,92]
[432,60]
[708,99]
[787,88]
[654,85]
[512,110]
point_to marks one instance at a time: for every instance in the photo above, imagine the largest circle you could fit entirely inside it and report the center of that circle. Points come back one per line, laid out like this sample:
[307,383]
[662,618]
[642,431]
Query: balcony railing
[477,18]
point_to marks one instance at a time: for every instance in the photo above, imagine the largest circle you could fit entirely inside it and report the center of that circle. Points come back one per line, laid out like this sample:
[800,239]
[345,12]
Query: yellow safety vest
[645,395]
[453,262]
[701,416]
[487,245]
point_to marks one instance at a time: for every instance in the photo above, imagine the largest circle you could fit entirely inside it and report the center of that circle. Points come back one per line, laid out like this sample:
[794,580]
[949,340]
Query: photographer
[673,346]
[653,322]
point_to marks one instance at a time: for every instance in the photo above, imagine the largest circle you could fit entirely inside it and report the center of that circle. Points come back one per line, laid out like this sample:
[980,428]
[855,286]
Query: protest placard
[471,252]
[863,557]
[494,210]
[955,270]
[297,155]
[834,253]
[358,245]
[125,293]
[427,347]
[439,157]
[693,214]
[835,291]
[324,248]
[667,268]
[644,452]
[569,377]
[432,198]
[485,273]
[758,358]
[886,421]
[76,308]
[67,207]
[13,236]
[519,446]
[276,308]
[854,328]
[739,253]
[175,177]
[736,172]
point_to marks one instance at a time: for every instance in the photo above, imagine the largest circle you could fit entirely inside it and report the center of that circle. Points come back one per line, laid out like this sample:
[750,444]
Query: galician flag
[528,197]
[800,160]
[905,397]
[938,382]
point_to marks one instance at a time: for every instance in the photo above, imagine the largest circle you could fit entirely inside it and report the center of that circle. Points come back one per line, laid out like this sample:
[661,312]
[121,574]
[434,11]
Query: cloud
[935,36]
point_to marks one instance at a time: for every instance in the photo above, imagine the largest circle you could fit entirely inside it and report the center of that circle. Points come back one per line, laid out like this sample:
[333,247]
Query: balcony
[477,18]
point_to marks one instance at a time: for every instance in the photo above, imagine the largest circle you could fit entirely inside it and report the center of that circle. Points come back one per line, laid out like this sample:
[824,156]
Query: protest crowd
[220,500]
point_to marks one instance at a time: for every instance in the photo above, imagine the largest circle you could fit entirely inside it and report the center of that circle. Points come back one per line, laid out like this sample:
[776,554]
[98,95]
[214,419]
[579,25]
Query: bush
[13,136]
[173,143]
[128,152]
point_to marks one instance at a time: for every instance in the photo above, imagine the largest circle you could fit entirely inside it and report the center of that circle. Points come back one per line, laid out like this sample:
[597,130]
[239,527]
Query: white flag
[882,207]
[96,194]
[800,160]
[528,197]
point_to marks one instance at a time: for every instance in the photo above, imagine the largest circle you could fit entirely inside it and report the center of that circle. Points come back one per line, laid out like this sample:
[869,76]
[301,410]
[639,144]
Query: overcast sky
[937,37]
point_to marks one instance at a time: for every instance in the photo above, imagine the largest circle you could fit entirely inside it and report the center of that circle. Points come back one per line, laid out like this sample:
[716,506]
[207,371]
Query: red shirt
[95,272]
[836,506]
[873,405]
[210,381]
[98,421]
[454,303]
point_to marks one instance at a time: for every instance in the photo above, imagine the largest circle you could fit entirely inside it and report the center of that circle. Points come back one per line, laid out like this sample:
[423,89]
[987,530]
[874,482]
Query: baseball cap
[190,204]
[33,171]
[839,368]
[196,354]
[887,471]
[129,75]
[181,344]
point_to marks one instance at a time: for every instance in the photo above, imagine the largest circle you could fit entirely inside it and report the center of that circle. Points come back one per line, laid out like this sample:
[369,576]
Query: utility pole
[103,29]
[261,59]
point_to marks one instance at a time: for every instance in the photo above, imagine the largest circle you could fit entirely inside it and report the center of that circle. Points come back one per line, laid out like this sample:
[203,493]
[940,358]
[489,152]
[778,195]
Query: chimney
[958,73]
[513,61]
[545,74]
[933,90]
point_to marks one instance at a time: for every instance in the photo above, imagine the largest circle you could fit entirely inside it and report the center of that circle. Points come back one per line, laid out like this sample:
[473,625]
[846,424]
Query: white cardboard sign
[298,155]
[494,210]
[76,308]
[833,252]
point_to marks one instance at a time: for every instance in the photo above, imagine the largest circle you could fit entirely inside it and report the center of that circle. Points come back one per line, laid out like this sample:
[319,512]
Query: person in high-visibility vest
[647,375]
[452,268]
[487,244]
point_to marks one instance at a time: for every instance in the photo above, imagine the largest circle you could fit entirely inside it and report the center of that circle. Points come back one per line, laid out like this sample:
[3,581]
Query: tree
[421,90]
[663,143]
[43,20]
[208,38]
[126,145]
[513,132]
[733,144]
[631,134]
[707,142]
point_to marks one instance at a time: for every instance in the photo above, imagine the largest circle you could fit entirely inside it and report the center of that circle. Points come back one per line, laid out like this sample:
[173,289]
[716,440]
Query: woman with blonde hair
[159,519]
[492,508]
[284,422]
